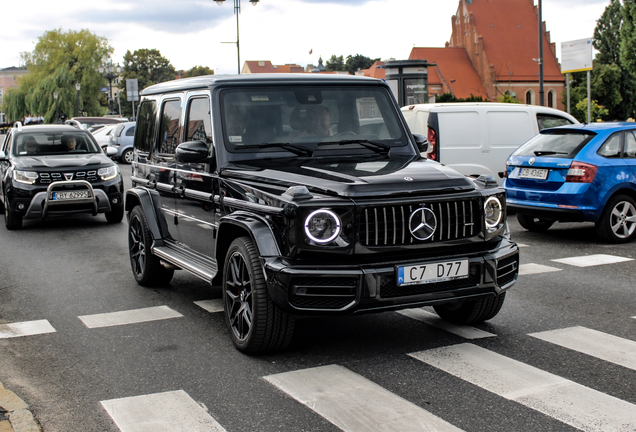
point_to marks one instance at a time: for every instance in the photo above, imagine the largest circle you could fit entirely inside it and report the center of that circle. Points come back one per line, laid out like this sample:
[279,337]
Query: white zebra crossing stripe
[466,332]
[25,328]
[353,403]
[574,404]
[212,306]
[172,411]
[133,316]
[592,260]
[527,269]
[594,343]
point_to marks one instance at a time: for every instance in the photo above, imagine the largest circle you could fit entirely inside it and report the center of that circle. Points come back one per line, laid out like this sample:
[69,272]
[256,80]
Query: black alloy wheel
[255,323]
[471,311]
[146,267]
[12,220]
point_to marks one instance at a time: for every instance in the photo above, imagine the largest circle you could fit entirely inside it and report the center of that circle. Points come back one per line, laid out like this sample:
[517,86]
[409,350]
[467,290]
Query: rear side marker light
[580,172]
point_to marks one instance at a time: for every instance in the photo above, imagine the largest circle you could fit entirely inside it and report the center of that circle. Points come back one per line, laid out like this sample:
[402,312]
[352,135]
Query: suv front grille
[50,177]
[389,225]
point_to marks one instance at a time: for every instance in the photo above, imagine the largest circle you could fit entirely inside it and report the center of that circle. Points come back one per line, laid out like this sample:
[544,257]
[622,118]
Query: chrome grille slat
[388,225]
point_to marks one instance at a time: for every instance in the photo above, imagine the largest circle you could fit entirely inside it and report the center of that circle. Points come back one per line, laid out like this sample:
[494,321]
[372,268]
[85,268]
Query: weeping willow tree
[58,62]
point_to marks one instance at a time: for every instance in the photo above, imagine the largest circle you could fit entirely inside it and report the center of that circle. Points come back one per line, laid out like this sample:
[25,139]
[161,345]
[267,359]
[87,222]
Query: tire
[471,311]
[146,267]
[534,224]
[116,215]
[256,325]
[127,156]
[12,220]
[618,221]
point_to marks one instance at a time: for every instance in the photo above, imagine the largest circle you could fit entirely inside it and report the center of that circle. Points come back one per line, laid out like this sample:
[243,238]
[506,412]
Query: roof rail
[18,126]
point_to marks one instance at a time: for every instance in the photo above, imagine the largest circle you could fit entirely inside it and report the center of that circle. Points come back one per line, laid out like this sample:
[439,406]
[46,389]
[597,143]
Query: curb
[14,413]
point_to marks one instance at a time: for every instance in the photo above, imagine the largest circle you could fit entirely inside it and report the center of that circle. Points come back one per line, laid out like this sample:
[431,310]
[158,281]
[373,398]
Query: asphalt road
[64,269]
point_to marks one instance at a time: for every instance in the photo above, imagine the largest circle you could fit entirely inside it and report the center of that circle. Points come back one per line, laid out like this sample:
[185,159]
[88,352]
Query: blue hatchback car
[576,173]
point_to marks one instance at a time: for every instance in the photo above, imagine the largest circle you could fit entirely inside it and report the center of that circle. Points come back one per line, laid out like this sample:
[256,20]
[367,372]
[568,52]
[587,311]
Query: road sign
[132,89]
[576,56]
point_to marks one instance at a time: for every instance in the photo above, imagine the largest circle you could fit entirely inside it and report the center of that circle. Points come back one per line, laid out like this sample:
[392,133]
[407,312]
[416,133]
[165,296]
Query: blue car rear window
[558,144]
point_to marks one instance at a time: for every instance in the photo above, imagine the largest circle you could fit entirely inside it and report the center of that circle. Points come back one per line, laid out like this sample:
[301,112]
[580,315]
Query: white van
[477,138]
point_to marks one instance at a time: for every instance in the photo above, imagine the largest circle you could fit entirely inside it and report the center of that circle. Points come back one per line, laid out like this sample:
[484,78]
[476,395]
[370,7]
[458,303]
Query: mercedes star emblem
[423,223]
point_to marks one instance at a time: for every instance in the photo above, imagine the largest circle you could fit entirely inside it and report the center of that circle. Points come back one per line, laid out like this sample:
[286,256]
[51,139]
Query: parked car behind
[477,138]
[122,139]
[103,135]
[577,173]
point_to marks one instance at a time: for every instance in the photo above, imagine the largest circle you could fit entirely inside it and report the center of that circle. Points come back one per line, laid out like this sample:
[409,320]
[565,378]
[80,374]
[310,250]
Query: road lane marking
[592,260]
[594,343]
[173,411]
[571,403]
[466,332]
[528,269]
[353,403]
[133,316]
[212,306]
[25,328]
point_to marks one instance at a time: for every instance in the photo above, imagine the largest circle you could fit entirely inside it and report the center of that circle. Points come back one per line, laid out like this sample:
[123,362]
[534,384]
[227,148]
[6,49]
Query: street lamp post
[237,11]
[110,72]
[55,97]
[79,107]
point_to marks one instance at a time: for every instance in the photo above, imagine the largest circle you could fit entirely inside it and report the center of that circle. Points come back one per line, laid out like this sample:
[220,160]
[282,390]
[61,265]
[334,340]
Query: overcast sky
[192,32]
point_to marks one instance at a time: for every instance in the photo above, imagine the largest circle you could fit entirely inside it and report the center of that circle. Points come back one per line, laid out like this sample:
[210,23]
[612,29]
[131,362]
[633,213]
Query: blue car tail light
[581,172]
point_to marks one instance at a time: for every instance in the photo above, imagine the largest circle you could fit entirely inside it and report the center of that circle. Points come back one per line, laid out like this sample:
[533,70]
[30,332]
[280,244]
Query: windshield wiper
[296,149]
[376,146]
[548,152]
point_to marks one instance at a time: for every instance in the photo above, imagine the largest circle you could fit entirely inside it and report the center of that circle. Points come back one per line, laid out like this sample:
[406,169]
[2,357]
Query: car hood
[60,161]
[360,179]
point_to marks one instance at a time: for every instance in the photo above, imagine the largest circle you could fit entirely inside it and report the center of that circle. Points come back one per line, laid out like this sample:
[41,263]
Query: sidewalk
[14,414]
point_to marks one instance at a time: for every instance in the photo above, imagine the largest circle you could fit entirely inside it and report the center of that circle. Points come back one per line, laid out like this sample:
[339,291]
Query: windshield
[53,143]
[555,143]
[310,120]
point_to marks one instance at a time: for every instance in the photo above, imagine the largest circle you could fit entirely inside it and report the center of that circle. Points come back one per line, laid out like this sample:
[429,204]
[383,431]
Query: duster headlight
[322,226]
[108,172]
[28,177]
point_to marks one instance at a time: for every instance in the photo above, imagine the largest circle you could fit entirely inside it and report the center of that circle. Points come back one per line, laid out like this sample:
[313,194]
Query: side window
[145,135]
[611,148]
[130,131]
[630,145]
[199,121]
[5,146]
[546,121]
[170,131]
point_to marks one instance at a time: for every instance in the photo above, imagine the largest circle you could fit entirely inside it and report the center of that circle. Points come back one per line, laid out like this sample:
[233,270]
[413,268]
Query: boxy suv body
[304,194]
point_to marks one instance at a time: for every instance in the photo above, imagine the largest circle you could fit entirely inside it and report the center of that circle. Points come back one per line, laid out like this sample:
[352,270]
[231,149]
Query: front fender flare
[150,202]
[258,228]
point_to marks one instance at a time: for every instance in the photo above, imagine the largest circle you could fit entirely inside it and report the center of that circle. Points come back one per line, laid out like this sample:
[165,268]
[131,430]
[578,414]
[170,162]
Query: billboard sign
[576,56]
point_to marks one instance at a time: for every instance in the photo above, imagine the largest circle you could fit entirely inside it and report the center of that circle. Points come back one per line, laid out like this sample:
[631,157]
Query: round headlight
[493,212]
[322,226]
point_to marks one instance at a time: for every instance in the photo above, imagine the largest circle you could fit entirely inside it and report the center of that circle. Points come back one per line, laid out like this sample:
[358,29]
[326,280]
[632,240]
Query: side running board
[187,259]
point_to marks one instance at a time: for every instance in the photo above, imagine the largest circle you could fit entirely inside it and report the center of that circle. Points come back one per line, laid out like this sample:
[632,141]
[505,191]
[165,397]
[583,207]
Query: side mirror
[193,151]
[110,151]
[3,157]
[421,142]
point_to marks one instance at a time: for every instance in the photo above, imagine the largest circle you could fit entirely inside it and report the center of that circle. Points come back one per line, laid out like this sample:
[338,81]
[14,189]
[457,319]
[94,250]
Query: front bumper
[344,290]
[35,203]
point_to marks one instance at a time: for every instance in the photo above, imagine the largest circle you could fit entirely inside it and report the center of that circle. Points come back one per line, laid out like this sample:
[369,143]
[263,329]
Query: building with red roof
[493,50]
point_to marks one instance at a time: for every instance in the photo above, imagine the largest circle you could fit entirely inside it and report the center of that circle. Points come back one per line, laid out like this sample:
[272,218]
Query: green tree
[358,62]
[58,61]
[148,67]
[598,112]
[628,36]
[198,71]
[508,98]
[607,38]
[335,64]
